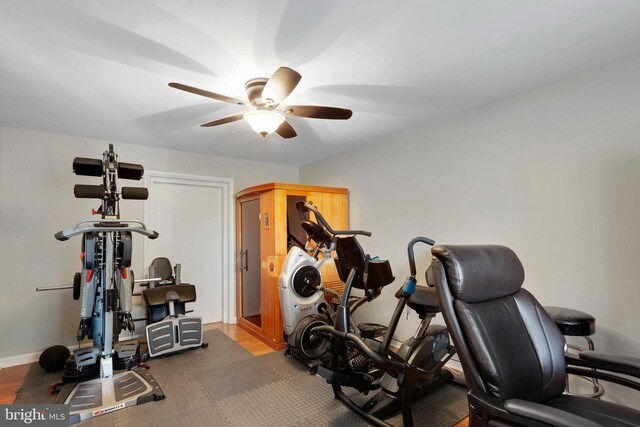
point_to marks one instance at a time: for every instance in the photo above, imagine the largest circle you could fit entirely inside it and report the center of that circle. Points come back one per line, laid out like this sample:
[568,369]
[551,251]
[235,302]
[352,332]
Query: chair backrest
[508,346]
[350,255]
[161,268]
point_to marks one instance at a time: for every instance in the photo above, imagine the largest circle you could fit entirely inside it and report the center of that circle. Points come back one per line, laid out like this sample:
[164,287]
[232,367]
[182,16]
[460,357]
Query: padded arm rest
[614,359]
[606,366]
[546,414]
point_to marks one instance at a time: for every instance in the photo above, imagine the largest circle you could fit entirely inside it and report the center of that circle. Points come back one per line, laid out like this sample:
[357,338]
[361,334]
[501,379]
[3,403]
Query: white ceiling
[100,69]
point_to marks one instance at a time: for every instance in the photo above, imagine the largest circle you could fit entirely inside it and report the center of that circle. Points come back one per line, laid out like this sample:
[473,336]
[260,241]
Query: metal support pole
[106,364]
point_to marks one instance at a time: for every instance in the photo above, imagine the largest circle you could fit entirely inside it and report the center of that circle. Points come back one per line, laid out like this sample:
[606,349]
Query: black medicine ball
[53,358]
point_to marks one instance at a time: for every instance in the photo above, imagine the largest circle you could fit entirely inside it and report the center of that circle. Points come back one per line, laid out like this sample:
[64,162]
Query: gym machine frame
[105,289]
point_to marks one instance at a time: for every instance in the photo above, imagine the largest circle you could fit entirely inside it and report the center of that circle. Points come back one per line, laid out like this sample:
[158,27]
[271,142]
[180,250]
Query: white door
[190,214]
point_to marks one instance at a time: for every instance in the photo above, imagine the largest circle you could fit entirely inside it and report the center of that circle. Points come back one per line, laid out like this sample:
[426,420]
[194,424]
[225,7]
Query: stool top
[572,322]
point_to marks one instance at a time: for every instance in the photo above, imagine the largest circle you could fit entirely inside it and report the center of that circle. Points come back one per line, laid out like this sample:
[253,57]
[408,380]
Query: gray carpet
[224,385]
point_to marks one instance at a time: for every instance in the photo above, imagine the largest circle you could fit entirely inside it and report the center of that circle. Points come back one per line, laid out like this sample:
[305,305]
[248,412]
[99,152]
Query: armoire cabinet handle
[244,265]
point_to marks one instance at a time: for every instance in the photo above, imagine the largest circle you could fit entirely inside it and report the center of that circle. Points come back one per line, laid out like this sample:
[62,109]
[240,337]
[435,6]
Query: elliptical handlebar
[412,258]
[308,206]
[119,225]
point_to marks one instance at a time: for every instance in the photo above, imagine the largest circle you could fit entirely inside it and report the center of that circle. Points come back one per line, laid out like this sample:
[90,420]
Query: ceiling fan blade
[281,84]
[285,130]
[206,93]
[224,120]
[318,112]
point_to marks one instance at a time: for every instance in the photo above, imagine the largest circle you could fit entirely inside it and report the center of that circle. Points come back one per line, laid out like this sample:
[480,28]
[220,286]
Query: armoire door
[250,262]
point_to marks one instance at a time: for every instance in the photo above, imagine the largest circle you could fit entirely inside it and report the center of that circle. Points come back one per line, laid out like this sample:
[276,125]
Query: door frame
[238,281]
[228,224]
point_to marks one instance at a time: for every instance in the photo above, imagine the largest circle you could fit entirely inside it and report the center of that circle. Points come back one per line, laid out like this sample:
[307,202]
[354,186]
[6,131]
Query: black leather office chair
[511,351]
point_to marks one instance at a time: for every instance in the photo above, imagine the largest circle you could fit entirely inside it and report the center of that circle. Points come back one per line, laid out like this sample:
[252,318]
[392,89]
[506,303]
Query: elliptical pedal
[372,330]
[361,381]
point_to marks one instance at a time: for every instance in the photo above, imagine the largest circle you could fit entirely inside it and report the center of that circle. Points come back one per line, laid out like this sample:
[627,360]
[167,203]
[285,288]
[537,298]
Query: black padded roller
[136,193]
[82,191]
[87,167]
[130,171]
[77,284]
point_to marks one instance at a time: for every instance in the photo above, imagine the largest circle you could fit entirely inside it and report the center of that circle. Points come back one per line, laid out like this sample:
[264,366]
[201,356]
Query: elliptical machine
[302,297]
[414,370]
[104,288]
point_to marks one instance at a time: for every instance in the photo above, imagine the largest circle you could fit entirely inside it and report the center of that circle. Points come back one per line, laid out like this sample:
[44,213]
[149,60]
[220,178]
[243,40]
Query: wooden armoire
[265,218]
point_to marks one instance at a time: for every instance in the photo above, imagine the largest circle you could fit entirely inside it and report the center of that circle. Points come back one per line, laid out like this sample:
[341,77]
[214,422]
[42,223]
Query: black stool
[574,323]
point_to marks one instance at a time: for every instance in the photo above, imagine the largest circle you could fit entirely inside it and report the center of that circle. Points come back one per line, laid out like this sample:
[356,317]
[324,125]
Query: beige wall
[553,173]
[36,200]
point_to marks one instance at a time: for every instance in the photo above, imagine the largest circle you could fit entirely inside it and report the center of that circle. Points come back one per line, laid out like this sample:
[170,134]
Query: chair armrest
[623,370]
[546,414]
[614,359]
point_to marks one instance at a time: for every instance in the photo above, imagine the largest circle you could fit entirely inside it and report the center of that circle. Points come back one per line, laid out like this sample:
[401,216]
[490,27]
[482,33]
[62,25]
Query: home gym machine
[302,296]
[415,369]
[104,288]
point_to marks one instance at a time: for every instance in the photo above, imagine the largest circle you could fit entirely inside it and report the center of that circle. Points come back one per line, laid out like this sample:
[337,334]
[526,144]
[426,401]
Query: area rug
[225,385]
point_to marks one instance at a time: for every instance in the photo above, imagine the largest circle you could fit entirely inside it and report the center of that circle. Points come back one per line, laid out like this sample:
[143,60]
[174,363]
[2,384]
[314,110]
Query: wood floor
[242,337]
[10,381]
[11,378]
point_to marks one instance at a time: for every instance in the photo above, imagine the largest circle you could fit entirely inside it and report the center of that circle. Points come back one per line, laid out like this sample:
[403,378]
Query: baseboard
[22,359]
[455,368]
[454,364]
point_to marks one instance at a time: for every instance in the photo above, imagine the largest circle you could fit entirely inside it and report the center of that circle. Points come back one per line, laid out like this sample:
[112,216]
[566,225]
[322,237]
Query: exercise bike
[168,329]
[415,369]
[303,301]
[105,288]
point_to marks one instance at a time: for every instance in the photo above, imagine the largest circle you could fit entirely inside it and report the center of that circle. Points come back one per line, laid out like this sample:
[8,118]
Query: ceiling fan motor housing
[254,88]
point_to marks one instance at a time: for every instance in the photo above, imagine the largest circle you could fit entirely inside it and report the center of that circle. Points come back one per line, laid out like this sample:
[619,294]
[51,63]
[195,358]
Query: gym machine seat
[157,300]
[168,329]
[512,352]
[160,268]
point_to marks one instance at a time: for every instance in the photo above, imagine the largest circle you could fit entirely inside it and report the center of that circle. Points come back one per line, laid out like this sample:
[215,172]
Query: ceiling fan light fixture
[264,121]
[265,95]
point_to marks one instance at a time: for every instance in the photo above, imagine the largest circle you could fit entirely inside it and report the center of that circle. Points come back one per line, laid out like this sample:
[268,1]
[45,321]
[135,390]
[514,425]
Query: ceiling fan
[265,95]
